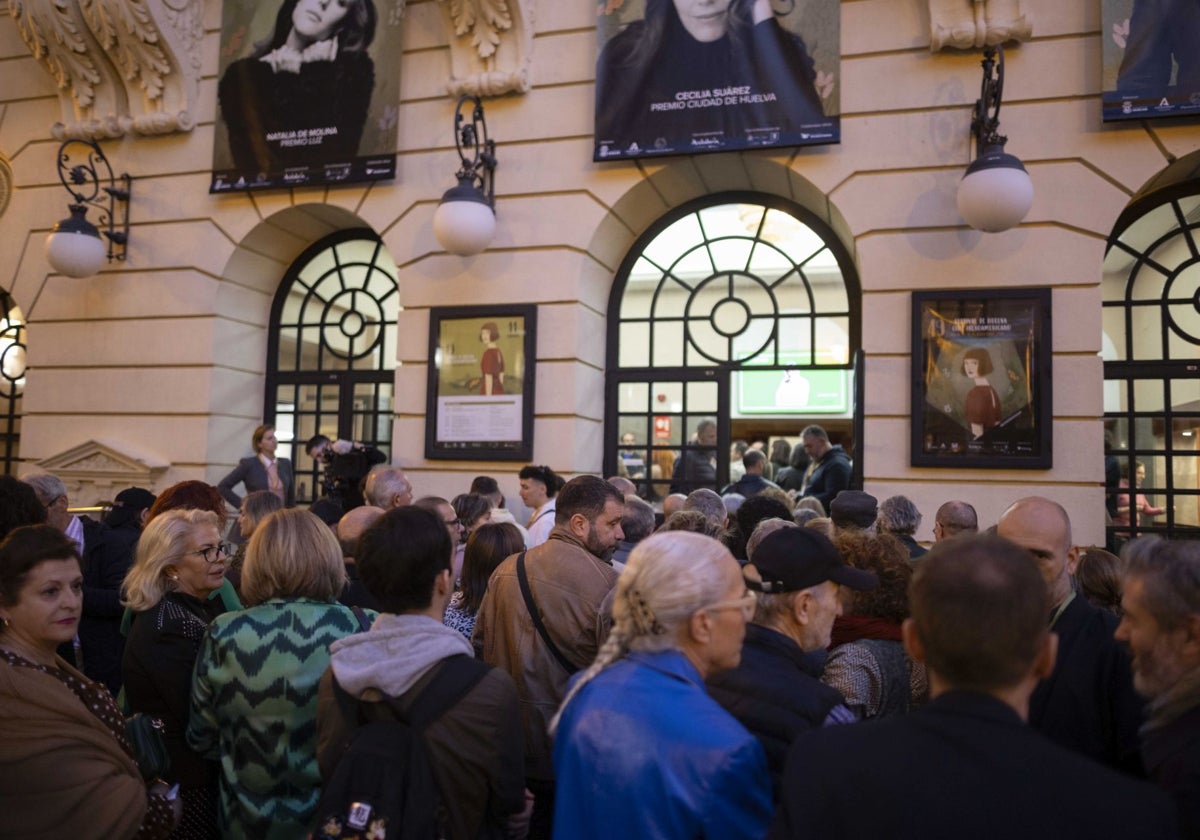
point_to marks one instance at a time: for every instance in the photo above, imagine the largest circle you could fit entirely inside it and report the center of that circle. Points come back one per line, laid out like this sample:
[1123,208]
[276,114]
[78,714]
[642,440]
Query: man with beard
[542,620]
[1161,626]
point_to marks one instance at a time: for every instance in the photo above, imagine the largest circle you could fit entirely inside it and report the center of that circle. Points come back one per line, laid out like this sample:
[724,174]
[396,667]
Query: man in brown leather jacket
[569,577]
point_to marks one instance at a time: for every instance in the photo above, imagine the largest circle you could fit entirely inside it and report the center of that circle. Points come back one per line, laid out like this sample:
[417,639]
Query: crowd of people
[746,666]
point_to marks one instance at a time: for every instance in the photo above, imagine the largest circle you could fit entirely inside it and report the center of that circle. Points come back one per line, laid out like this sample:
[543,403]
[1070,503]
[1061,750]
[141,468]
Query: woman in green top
[254,696]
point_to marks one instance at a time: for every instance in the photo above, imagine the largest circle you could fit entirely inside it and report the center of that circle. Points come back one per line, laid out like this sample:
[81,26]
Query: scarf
[851,628]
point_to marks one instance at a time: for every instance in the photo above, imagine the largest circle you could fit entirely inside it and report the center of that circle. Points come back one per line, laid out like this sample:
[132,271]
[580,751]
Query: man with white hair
[898,516]
[388,487]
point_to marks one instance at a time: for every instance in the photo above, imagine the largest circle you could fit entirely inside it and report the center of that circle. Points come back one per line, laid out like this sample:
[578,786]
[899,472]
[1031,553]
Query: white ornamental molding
[96,470]
[120,66]
[491,42]
[971,24]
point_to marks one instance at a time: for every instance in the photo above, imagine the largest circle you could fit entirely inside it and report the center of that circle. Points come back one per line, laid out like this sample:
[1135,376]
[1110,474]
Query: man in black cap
[854,510]
[776,690]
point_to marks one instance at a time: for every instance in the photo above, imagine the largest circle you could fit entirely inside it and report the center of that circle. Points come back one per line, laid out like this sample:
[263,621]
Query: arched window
[332,349]
[731,307]
[1151,351]
[12,381]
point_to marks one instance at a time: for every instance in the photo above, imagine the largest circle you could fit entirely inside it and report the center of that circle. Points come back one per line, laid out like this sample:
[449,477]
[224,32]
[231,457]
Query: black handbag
[145,736]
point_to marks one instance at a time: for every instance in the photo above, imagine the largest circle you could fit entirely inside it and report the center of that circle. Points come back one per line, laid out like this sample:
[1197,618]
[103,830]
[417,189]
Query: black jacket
[775,692]
[159,657]
[1088,704]
[1172,756]
[831,476]
[751,484]
[107,556]
[962,766]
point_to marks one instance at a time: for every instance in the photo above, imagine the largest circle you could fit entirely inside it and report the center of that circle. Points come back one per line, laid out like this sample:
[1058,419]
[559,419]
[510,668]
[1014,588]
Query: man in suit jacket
[255,473]
[966,765]
[1087,703]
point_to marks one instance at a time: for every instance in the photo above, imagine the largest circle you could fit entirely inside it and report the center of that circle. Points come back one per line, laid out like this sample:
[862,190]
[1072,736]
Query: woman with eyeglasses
[180,562]
[641,750]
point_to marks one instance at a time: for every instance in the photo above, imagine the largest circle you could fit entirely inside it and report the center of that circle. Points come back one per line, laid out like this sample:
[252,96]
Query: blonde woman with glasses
[180,561]
[641,750]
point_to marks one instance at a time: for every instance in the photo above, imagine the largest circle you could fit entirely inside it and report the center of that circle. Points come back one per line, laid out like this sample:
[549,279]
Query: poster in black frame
[480,395]
[981,379]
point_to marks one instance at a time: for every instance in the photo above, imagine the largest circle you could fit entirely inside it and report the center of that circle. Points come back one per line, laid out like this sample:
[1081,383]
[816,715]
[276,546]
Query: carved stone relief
[971,24]
[491,42]
[93,471]
[119,65]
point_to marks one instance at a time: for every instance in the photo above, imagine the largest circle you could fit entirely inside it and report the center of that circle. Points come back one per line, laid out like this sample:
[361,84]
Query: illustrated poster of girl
[982,408]
[492,363]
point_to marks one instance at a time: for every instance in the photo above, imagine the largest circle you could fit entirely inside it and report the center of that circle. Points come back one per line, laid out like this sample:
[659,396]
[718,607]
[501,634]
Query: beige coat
[64,774]
[569,585]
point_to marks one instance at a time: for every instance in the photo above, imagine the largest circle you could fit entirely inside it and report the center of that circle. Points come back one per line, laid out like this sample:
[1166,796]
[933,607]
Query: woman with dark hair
[302,95]
[791,477]
[67,767]
[492,363]
[781,452]
[261,471]
[867,662]
[539,486]
[255,508]
[486,549]
[982,408]
[733,49]
[1099,576]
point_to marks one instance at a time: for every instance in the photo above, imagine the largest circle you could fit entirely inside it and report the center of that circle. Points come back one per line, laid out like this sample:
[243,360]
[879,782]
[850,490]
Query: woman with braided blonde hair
[641,750]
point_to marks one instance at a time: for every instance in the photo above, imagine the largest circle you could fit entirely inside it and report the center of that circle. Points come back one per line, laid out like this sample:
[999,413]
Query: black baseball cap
[792,559]
[135,498]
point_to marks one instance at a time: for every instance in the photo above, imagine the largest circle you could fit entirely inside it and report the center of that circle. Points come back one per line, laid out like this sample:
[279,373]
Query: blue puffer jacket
[643,751]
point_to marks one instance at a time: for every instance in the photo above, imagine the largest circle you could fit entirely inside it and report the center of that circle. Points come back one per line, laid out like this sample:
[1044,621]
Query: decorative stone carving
[119,65]
[95,470]
[971,24]
[491,42]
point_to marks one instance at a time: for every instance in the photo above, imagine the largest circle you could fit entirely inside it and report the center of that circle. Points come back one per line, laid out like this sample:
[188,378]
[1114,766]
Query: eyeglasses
[213,553]
[746,604]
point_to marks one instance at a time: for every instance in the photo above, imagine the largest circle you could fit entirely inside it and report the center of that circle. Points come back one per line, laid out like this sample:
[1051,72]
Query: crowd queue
[763,663]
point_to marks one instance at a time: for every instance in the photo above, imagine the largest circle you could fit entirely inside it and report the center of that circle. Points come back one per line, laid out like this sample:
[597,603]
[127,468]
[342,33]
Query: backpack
[383,786]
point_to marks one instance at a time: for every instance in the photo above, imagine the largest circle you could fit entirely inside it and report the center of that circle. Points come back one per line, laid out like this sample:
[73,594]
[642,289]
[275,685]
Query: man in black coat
[776,690]
[1161,626]
[829,468]
[965,765]
[1088,703]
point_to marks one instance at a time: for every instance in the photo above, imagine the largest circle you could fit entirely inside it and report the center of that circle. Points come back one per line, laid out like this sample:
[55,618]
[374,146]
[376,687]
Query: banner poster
[308,93]
[1151,53]
[680,77]
[981,379]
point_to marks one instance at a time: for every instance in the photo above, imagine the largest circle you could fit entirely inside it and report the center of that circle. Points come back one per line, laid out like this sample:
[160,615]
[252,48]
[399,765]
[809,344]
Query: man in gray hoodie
[476,745]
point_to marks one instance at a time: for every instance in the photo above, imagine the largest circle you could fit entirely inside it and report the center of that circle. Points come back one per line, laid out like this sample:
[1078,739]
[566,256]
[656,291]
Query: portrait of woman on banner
[724,68]
[302,96]
[491,366]
[979,389]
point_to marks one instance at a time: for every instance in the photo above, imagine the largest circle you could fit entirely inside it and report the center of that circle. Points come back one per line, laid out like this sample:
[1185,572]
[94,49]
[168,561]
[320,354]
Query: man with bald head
[954,518]
[1088,703]
[349,528]
[388,487]
[673,503]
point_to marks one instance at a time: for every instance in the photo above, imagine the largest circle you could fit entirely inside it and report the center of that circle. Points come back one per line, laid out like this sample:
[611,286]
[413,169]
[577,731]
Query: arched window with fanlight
[1151,351]
[740,308]
[12,381]
[332,349]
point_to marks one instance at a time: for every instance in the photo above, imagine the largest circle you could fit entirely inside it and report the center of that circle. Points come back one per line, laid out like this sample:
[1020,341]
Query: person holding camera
[346,465]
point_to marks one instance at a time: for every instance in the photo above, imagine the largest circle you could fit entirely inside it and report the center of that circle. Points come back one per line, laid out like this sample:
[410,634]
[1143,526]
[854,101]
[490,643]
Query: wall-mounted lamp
[465,221]
[74,247]
[995,193]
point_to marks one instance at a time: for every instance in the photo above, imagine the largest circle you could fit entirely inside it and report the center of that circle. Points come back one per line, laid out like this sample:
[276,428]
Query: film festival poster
[308,93]
[1151,55]
[981,390]
[480,382]
[685,77]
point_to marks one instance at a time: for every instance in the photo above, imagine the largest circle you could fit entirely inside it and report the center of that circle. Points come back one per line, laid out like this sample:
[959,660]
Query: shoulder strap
[527,594]
[454,677]
[363,623]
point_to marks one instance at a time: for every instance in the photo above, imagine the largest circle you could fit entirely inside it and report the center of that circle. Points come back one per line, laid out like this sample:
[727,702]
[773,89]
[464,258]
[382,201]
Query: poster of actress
[690,76]
[1151,53]
[981,385]
[308,93]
